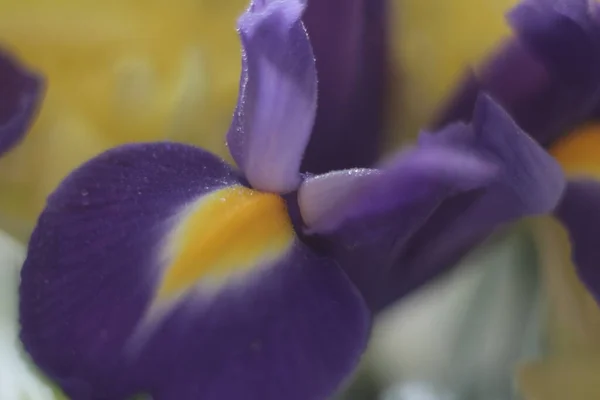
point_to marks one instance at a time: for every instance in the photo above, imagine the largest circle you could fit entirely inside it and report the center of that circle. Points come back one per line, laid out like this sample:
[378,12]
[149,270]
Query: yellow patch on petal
[230,230]
[579,152]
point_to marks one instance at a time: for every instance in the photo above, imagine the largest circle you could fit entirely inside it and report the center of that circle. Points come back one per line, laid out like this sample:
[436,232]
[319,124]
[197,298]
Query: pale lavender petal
[420,174]
[321,198]
[278,96]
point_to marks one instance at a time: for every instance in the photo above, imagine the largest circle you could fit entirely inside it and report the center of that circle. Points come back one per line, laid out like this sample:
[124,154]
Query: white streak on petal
[322,199]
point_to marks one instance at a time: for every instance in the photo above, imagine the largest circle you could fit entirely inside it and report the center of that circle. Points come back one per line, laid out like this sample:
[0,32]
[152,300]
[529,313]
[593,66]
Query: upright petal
[547,76]
[579,212]
[278,95]
[154,270]
[352,64]
[528,182]
[20,95]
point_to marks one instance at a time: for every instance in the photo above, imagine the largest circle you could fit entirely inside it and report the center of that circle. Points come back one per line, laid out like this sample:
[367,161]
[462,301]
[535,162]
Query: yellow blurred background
[117,71]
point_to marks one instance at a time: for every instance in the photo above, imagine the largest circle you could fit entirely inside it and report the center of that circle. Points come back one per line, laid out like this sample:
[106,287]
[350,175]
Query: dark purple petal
[92,315]
[500,174]
[579,212]
[379,210]
[20,95]
[352,62]
[548,76]
[298,335]
[278,96]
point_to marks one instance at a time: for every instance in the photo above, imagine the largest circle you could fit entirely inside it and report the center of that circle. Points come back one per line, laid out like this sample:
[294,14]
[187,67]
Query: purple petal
[530,182]
[548,76]
[278,96]
[96,316]
[420,174]
[352,65]
[579,212]
[364,216]
[19,101]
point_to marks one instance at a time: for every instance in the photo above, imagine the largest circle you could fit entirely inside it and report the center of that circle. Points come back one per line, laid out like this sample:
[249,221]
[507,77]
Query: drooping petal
[278,95]
[414,177]
[579,211]
[154,270]
[547,76]
[20,93]
[352,64]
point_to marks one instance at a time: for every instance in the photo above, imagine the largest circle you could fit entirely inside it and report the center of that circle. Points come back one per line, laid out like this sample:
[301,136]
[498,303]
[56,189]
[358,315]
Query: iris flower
[159,269]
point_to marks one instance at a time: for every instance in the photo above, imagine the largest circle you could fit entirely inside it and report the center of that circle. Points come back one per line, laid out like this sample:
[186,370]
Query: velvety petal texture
[579,211]
[278,95]
[547,76]
[352,64]
[527,181]
[153,269]
[20,94]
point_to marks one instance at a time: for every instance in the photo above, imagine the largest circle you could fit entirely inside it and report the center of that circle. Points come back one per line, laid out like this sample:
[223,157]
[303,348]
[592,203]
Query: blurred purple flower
[20,94]
[547,76]
[157,268]
[548,79]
